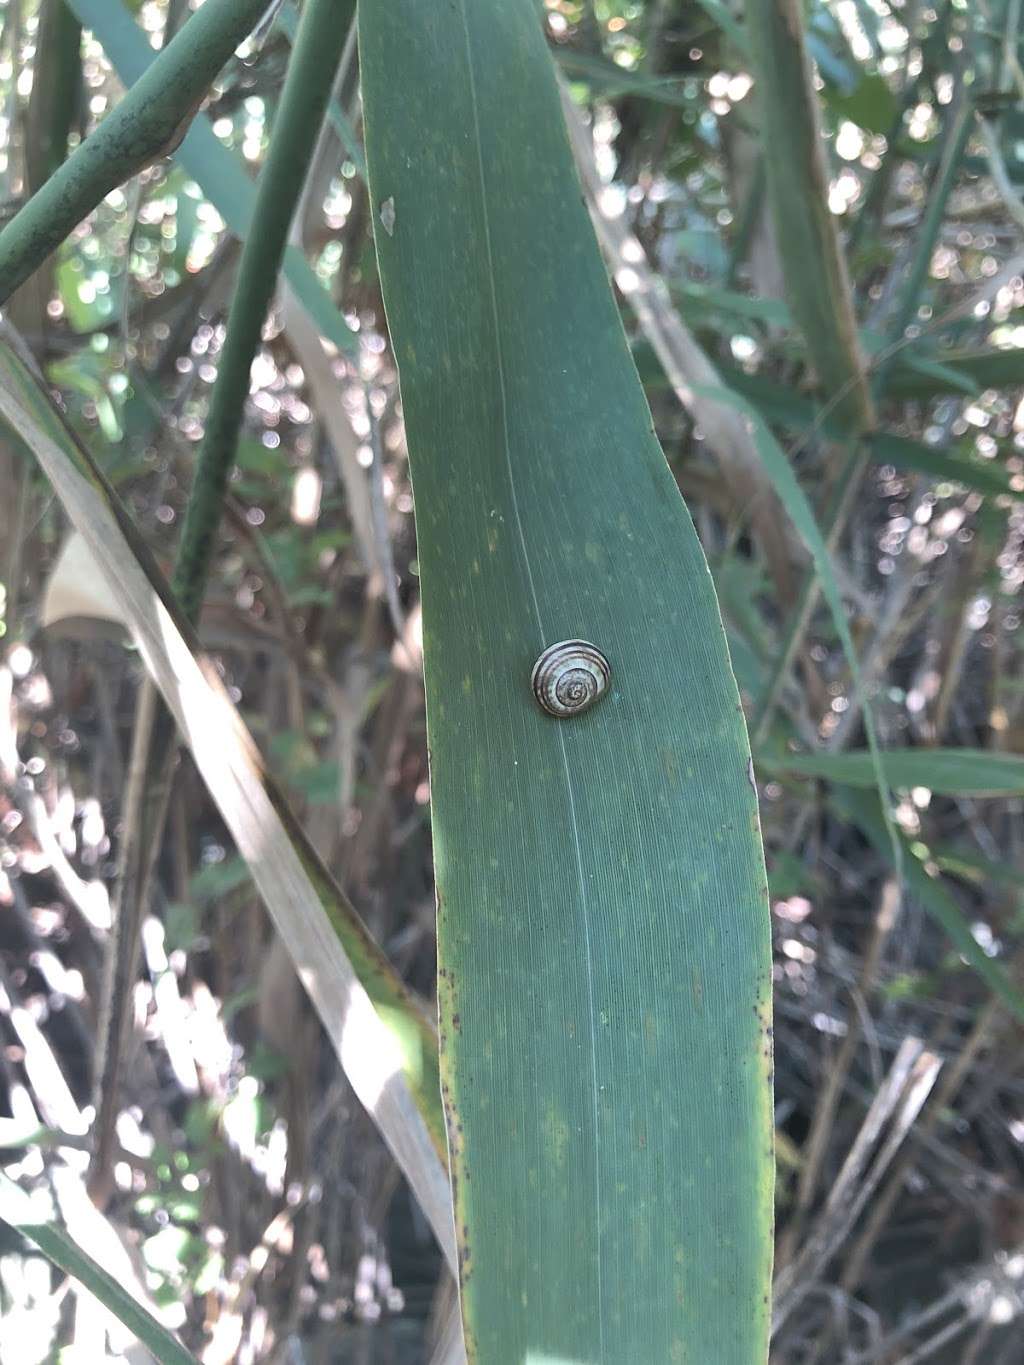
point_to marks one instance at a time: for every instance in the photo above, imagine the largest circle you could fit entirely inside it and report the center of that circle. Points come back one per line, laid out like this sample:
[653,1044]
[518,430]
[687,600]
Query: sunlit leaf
[18,1211]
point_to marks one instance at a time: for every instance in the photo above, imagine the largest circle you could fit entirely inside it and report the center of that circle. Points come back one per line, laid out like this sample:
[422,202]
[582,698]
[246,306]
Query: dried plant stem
[895,1107]
[816,1146]
[147,796]
[945,1093]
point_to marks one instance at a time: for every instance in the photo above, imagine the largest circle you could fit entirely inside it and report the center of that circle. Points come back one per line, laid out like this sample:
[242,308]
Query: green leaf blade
[951,772]
[602,925]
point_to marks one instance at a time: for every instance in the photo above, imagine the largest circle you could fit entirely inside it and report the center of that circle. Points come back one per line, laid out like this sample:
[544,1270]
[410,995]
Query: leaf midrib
[543,641]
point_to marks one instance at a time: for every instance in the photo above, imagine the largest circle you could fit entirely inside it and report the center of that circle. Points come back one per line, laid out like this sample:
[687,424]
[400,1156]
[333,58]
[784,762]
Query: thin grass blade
[950,772]
[817,284]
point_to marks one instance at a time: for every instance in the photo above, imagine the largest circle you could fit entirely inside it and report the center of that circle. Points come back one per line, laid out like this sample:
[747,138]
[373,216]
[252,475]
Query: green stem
[748,221]
[1011,41]
[56,90]
[288,22]
[145,125]
[835,519]
[177,13]
[945,176]
[307,88]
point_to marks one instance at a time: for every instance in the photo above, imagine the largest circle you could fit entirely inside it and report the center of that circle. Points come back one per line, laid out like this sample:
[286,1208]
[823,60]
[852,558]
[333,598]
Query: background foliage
[252,1201]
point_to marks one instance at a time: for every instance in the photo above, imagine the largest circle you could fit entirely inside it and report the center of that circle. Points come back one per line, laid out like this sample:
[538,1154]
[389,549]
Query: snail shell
[570,677]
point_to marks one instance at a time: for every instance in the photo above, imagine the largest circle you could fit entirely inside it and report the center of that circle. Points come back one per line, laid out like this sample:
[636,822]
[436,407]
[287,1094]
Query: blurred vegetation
[253,1197]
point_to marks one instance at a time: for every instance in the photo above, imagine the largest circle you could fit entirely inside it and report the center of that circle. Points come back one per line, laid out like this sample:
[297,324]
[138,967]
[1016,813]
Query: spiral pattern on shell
[570,677]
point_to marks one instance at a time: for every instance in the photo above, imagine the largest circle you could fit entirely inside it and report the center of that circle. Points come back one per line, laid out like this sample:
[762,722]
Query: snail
[570,677]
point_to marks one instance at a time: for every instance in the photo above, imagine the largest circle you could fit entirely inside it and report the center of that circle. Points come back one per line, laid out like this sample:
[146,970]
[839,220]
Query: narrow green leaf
[18,1211]
[698,299]
[777,403]
[603,935]
[799,509]
[921,377]
[217,170]
[953,144]
[817,286]
[1000,368]
[951,772]
[288,19]
[614,80]
[973,868]
[796,503]
[948,466]
[862,810]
